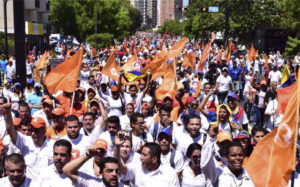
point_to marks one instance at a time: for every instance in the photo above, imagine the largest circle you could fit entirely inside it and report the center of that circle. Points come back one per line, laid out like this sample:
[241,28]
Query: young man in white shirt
[109,169]
[275,75]
[138,135]
[223,85]
[89,128]
[15,169]
[151,172]
[170,156]
[125,119]
[79,142]
[37,149]
[53,175]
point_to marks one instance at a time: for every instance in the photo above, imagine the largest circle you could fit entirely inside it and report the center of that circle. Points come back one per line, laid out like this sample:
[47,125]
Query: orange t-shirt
[55,134]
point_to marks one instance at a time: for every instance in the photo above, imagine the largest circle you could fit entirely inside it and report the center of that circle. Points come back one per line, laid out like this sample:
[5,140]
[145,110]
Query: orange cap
[114,88]
[223,135]
[38,122]
[145,105]
[48,101]
[101,143]
[1,145]
[58,111]
[45,97]
[16,121]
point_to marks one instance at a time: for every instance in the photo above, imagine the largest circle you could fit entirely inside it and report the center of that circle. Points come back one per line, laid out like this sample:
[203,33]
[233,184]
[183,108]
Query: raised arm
[118,142]
[120,82]
[104,116]
[71,168]
[6,109]
[145,90]
[204,101]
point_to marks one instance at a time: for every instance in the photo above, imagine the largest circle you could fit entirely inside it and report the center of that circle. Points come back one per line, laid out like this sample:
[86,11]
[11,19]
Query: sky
[185,3]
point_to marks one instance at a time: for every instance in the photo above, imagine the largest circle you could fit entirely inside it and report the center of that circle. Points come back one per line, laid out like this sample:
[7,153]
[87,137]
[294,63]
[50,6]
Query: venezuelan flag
[286,78]
[136,73]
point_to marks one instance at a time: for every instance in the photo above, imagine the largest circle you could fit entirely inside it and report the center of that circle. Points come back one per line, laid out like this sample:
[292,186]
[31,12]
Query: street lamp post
[5,27]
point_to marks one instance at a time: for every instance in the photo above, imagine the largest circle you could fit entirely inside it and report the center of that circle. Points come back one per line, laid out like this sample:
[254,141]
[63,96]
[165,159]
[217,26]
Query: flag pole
[72,102]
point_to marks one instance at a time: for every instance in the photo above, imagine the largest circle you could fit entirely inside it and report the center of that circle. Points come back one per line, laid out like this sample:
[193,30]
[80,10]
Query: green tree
[172,26]
[245,16]
[290,15]
[102,39]
[292,48]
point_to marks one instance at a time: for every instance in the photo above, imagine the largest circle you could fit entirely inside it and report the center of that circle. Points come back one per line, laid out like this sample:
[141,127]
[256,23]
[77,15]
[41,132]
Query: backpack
[172,159]
[155,130]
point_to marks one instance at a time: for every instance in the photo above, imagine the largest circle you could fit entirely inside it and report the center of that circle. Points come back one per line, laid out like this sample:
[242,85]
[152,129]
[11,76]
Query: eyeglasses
[243,140]
[162,115]
[196,157]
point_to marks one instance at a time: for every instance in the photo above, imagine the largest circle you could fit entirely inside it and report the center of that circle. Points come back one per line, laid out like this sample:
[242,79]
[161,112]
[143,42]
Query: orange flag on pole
[157,67]
[274,157]
[169,84]
[94,52]
[266,62]
[228,51]
[251,53]
[64,76]
[177,48]
[42,63]
[111,69]
[283,97]
[189,60]
[204,56]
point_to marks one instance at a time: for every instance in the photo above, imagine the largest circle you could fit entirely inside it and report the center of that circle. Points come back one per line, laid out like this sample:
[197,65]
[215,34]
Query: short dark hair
[91,76]
[114,119]
[155,150]
[256,129]
[135,117]
[132,85]
[193,116]
[233,144]
[130,104]
[192,147]
[23,104]
[106,160]
[15,158]
[72,118]
[4,99]
[207,83]
[89,114]
[165,108]
[64,143]
[25,122]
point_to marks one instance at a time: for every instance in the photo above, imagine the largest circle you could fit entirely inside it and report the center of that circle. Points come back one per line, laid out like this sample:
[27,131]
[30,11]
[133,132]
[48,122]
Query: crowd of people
[117,133]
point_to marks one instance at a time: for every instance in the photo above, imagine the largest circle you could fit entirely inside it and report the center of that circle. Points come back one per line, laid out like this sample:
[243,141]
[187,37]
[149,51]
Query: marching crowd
[117,133]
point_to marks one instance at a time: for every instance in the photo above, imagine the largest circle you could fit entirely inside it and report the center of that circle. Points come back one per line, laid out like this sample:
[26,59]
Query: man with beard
[15,169]
[99,112]
[37,149]
[53,175]
[109,170]
[79,142]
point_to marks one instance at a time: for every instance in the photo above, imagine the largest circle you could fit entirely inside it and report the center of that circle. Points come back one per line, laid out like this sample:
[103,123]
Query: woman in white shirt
[114,102]
[223,84]
[15,97]
[192,174]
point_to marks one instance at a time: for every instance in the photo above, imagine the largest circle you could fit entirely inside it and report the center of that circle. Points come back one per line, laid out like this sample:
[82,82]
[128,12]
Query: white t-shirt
[137,140]
[160,128]
[114,106]
[190,180]
[79,144]
[224,83]
[14,101]
[83,182]
[137,100]
[275,76]
[163,176]
[27,183]
[110,143]
[9,71]
[125,122]
[229,179]
[50,177]
[178,160]
[35,157]
[275,118]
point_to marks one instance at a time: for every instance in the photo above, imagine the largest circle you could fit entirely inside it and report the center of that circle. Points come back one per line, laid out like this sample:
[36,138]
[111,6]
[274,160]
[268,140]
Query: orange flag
[197,46]
[274,157]
[42,63]
[157,67]
[266,62]
[198,89]
[204,56]
[111,69]
[202,45]
[228,51]
[177,48]
[129,66]
[189,60]
[125,45]
[64,76]
[283,96]
[94,52]
[169,84]
[251,53]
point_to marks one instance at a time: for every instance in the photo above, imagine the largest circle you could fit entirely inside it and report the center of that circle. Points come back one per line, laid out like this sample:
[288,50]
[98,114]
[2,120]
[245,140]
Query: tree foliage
[172,26]
[292,48]
[102,39]
[245,16]
[78,17]
[290,17]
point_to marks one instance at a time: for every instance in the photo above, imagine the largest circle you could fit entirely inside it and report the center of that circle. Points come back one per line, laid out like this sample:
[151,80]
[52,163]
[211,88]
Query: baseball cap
[200,72]
[243,134]
[48,101]
[223,135]
[114,88]
[38,122]
[37,85]
[232,95]
[101,143]
[225,69]
[17,84]
[16,121]
[166,131]
[30,81]
[263,82]
[145,105]
[58,111]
